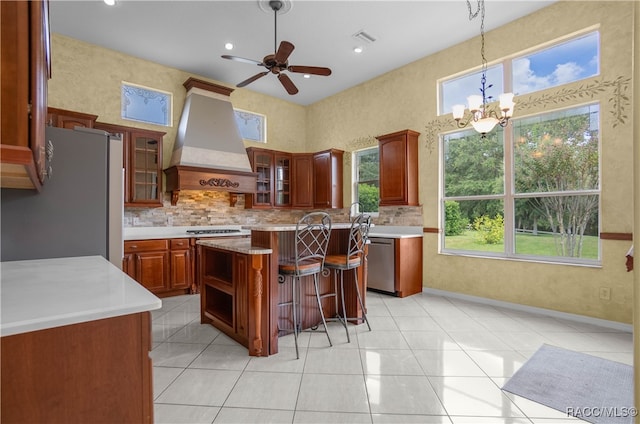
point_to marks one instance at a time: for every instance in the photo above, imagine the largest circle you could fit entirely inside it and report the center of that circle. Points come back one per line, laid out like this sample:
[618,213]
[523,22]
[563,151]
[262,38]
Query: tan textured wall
[87,78]
[407,98]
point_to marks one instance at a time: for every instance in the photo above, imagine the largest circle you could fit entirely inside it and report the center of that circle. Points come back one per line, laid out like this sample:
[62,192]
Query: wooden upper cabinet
[298,180]
[302,177]
[282,179]
[25,63]
[262,163]
[69,119]
[142,160]
[327,179]
[399,168]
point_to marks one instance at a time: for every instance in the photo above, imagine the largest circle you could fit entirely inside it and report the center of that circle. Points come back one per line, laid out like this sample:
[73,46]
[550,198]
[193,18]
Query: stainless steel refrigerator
[80,208]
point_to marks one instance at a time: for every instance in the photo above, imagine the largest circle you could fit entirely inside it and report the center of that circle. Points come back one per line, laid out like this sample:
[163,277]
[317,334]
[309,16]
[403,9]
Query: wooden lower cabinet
[408,269]
[162,266]
[93,372]
[180,264]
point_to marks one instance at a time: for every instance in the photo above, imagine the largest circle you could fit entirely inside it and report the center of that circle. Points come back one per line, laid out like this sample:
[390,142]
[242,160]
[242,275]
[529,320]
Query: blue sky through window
[457,90]
[570,61]
[567,62]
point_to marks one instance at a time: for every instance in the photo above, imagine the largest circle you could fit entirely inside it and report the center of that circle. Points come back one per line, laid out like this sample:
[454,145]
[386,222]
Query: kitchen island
[235,273]
[76,336]
[233,295]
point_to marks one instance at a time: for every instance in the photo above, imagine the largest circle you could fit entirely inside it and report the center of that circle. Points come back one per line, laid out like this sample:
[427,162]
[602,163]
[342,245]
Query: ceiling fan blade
[241,59]
[288,84]
[252,79]
[284,51]
[315,70]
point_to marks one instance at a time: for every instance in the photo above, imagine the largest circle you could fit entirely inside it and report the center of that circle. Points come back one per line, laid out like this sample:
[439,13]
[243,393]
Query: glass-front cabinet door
[146,173]
[282,179]
[262,164]
[142,161]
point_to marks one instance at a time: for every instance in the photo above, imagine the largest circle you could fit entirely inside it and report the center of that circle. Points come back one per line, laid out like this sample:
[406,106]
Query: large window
[367,179]
[531,190]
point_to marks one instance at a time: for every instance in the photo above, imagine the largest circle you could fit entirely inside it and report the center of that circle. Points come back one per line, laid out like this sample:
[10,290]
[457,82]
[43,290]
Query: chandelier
[481,116]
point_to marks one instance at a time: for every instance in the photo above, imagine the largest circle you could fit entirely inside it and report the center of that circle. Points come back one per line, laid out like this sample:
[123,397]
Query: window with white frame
[530,190]
[367,179]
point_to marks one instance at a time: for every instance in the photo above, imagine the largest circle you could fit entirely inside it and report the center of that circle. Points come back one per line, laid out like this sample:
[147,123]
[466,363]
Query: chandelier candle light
[482,117]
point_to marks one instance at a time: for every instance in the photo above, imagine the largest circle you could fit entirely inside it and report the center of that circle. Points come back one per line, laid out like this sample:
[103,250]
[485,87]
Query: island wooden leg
[256,265]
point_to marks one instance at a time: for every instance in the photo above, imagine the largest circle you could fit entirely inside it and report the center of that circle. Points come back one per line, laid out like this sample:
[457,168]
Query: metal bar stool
[351,260]
[311,241]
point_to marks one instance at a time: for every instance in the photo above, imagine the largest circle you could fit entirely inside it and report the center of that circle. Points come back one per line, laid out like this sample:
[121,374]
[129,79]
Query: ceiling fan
[278,61]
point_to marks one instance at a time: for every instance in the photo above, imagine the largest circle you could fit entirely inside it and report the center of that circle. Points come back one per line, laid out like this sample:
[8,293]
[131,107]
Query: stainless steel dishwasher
[381,262]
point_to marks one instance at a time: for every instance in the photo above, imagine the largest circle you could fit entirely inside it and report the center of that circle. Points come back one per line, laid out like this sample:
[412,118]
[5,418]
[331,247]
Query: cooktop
[216,231]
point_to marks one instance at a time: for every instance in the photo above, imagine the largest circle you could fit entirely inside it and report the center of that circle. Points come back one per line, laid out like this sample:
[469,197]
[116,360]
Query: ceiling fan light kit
[278,62]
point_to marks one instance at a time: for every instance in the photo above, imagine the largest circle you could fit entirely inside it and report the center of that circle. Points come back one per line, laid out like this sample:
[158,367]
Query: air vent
[363,36]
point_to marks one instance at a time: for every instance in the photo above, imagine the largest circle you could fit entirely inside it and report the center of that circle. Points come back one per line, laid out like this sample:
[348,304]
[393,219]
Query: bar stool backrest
[358,236]
[312,239]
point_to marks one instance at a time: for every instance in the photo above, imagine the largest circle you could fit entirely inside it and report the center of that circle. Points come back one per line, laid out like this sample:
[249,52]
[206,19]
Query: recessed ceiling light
[358,49]
[307,76]
[109,2]
[228,46]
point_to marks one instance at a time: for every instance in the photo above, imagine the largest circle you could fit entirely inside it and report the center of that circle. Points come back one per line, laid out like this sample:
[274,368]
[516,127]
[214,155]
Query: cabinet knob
[134,246]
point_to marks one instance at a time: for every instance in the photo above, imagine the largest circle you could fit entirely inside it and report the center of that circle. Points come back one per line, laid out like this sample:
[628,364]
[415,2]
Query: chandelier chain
[482,117]
[472,16]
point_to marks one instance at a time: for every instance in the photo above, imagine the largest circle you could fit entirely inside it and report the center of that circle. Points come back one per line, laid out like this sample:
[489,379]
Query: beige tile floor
[429,359]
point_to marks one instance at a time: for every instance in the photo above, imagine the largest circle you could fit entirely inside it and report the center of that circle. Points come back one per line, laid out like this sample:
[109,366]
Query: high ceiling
[191,35]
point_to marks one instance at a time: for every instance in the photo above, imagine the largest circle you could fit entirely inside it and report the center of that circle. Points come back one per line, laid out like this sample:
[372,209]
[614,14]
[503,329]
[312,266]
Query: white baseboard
[525,308]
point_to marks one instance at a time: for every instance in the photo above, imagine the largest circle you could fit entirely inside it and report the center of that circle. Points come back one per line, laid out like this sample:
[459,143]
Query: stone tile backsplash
[197,208]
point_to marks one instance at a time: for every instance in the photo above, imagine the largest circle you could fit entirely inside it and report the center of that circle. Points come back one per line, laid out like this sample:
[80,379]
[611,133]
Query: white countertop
[235,245]
[391,231]
[46,293]
[149,233]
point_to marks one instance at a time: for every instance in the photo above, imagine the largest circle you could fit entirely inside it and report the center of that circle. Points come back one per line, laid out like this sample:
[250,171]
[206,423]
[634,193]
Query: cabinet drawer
[145,245]
[177,244]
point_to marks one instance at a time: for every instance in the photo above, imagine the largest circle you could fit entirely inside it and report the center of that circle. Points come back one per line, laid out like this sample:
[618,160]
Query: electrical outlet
[605,293]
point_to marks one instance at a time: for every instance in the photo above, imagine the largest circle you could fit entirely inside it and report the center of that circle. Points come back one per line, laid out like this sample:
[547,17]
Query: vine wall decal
[359,144]
[619,101]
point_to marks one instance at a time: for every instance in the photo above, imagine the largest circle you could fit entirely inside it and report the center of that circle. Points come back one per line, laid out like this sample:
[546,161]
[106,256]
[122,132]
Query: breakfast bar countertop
[289,227]
[235,245]
[46,293]
[386,231]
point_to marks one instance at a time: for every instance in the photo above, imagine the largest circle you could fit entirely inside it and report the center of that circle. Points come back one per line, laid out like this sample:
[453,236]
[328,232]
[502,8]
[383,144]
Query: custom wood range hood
[209,153]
